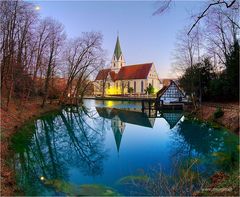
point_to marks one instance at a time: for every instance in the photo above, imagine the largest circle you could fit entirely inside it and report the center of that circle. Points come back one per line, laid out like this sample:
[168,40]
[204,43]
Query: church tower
[118,60]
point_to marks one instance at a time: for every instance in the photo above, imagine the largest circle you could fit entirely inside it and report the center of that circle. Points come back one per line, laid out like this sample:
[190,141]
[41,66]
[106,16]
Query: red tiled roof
[139,71]
[102,74]
[113,75]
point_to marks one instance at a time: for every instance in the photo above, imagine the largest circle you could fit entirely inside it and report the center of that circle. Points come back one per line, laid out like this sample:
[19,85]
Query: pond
[109,147]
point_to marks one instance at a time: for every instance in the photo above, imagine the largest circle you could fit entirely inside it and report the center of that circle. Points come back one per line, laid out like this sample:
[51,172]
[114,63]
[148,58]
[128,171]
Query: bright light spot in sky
[37,8]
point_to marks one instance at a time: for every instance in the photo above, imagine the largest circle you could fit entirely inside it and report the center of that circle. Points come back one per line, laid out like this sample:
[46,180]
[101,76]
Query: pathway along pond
[111,148]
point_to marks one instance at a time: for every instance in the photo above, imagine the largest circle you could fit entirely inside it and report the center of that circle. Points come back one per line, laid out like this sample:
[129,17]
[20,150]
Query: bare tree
[41,38]
[30,50]
[221,31]
[83,57]
[166,4]
[226,3]
[186,52]
[55,40]
[17,21]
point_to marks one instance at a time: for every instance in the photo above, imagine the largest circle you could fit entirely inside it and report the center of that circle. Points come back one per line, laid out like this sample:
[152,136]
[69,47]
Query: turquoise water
[89,150]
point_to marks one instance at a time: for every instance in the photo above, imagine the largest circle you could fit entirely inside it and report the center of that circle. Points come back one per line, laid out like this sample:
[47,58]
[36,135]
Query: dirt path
[11,120]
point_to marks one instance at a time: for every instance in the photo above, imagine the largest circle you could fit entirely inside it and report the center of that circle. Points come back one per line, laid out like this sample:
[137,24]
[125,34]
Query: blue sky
[143,37]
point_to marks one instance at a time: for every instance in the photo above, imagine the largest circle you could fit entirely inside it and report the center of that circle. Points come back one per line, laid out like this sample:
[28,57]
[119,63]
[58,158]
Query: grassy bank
[11,120]
[229,119]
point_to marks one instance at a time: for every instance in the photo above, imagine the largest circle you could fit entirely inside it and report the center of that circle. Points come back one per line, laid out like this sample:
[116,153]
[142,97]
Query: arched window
[134,86]
[142,86]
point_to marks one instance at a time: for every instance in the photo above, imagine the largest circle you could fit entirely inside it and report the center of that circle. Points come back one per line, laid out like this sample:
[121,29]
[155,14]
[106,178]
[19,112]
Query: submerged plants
[79,190]
[183,181]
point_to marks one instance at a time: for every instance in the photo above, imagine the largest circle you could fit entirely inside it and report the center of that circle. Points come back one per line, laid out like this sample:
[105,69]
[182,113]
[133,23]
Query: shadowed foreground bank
[11,121]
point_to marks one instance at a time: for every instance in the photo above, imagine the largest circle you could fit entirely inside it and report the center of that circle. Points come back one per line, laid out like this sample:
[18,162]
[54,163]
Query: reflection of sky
[141,148]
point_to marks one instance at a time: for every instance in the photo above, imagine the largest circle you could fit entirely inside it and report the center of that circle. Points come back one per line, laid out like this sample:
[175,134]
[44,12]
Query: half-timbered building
[171,93]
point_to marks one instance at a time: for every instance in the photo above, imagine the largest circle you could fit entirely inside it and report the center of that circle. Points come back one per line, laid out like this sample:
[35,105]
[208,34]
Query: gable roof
[127,116]
[139,71]
[172,118]
[164,89]
[102,74]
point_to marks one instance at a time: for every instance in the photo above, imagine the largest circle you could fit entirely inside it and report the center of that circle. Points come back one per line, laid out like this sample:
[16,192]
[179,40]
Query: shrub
[218,113]
[130,90]
[150,89]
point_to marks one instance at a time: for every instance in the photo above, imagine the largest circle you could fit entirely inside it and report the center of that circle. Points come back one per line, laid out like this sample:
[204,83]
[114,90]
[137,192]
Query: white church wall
[153,79]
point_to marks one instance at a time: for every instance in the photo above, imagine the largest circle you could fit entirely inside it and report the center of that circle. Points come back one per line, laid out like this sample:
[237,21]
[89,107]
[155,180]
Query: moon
[37,8]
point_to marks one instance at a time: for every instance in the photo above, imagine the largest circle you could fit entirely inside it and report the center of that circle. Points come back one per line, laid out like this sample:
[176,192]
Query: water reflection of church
[134,116]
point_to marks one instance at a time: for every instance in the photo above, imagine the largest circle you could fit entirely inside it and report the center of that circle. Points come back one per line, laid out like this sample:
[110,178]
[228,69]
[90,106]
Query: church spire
[117,51]
[118,60]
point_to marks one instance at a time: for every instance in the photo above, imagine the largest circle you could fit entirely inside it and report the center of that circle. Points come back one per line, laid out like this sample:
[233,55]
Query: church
[122,79]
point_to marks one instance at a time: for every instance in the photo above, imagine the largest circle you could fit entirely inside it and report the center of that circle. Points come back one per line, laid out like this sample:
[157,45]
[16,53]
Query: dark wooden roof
[164,89]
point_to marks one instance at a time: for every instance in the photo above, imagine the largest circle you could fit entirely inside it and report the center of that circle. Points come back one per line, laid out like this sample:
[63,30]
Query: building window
[142,86]
[152,83]
[117,85]
[128,84]
[122,87]
[108,85]
[134,86]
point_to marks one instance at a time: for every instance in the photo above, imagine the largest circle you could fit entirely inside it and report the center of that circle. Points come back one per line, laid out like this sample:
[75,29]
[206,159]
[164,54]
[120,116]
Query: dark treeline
[35,56]
[207,59]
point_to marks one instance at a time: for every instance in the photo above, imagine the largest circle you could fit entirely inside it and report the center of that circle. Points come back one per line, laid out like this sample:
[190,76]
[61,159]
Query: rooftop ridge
[139,64]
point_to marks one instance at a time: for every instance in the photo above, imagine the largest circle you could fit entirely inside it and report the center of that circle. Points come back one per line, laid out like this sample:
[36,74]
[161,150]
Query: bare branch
[164,7]
[208,7]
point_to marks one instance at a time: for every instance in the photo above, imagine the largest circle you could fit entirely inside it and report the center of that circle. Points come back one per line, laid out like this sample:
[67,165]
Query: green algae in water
[22,139]
[80,190]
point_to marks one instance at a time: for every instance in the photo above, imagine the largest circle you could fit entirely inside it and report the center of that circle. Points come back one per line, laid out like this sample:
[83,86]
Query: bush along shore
[11,120]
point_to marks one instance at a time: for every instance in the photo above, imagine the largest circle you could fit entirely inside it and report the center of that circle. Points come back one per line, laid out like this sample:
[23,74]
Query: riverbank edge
[220,183]
[8,180]
[229,120]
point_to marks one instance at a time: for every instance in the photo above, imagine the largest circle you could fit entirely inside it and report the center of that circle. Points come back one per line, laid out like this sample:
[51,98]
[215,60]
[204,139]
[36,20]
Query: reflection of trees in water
[59,140]
[193,140]
[86,141]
